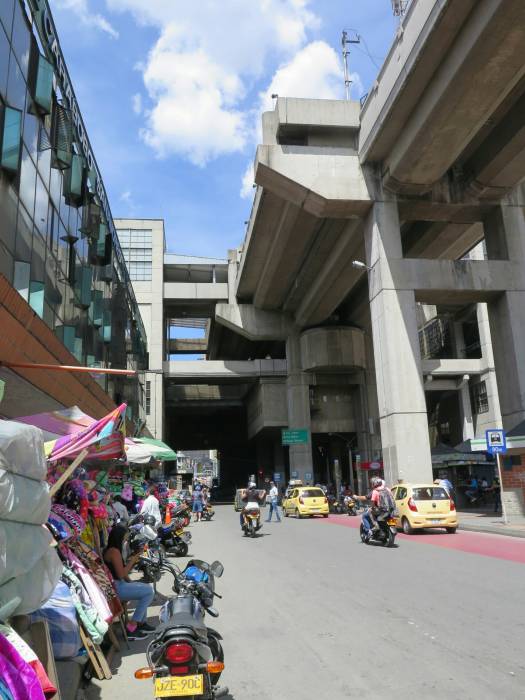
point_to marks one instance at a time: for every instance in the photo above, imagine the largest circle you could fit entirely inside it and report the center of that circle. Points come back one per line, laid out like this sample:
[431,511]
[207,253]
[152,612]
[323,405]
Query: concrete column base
[406,453]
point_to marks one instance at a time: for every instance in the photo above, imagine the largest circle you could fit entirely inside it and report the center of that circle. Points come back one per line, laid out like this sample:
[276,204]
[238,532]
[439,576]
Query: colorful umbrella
[54,424]
[103,439]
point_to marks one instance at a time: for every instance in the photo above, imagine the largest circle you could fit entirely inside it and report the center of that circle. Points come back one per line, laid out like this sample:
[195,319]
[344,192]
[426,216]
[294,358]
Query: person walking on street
[197,503]
[151,506]
[274,502]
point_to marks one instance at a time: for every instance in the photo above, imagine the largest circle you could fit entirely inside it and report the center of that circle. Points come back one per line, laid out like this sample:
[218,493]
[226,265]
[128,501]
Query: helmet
[149,520]
[376,482]
[252,485]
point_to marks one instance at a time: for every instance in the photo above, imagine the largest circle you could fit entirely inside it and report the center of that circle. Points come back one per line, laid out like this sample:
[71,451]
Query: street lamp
[359,265]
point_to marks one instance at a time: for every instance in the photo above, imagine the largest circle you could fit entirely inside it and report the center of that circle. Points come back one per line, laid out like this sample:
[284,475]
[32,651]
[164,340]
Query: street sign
[308,476]
[294,474]
[294,437]
[277,477]
[496,441]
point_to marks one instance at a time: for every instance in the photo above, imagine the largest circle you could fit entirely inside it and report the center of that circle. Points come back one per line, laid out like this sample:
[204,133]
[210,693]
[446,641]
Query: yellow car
[306,501]
[424,505]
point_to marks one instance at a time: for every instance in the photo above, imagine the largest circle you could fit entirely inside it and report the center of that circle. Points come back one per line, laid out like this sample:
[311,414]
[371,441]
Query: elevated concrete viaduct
[422,184]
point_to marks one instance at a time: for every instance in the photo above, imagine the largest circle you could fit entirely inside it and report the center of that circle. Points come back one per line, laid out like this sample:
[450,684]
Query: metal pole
[503,509]
[344,42]
[351,468]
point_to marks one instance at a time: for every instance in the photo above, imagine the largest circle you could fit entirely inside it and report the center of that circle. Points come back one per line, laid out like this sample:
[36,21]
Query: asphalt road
[310,613]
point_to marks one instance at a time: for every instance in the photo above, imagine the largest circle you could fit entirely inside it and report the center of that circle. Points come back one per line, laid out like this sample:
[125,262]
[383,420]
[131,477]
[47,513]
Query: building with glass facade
[58,245]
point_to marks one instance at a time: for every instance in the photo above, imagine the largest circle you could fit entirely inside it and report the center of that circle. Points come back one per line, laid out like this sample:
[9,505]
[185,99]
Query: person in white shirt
[120,509]
[151,506]
[274,502]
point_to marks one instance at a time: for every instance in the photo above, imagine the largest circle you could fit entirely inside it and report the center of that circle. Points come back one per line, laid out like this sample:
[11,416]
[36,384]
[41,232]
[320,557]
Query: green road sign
[294,437]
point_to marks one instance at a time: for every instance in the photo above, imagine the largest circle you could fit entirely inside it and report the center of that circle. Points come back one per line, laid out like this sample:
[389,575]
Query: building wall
[57,248]
[144,245]
[513,483]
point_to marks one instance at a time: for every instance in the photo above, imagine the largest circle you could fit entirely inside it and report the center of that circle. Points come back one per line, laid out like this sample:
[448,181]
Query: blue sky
[171,92]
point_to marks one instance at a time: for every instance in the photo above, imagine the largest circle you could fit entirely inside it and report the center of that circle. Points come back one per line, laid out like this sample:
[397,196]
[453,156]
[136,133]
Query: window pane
[4,61]
[31,128]
[27,182]
[38,259]
[6,263]
[21,279]
[24,237]
[44,84]
[44,165]
[16,86]
[6,15]
[10,158]
[21,38]
[41,206]
[8,207]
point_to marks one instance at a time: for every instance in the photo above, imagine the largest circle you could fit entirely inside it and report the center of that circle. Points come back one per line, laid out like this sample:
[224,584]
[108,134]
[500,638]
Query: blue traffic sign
[496,441]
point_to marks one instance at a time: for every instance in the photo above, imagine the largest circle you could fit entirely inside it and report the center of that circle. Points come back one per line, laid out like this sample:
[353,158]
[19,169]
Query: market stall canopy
[137,453]
[55,424]
[104,439]
[157,448]
[447,455]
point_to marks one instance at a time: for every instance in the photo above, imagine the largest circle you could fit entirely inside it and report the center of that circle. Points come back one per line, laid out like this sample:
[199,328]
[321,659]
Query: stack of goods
[29,566]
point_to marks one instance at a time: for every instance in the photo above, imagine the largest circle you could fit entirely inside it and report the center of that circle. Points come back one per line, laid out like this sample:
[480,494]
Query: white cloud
[136,101]
[88,18]
[126,197]
[247,182]
[204,63]
[314,71]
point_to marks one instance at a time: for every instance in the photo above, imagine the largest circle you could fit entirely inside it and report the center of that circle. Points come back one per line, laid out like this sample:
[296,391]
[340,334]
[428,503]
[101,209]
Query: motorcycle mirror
[217,569]
[212,611]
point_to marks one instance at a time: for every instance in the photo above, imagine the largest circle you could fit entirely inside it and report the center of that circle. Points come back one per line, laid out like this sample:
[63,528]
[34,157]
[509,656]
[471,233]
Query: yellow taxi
[424,506]
[306,501]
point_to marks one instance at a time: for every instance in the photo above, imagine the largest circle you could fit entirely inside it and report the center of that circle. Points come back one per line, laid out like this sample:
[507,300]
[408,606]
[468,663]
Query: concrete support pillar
[232,275]
[505,239]
[298,401]
[400,392]
[466,410]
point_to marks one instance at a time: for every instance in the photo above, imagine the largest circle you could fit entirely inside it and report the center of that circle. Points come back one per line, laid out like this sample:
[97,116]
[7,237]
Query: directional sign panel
[294,437]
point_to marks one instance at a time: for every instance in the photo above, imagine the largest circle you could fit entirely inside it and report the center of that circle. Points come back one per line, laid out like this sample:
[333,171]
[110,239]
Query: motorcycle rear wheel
[181,549]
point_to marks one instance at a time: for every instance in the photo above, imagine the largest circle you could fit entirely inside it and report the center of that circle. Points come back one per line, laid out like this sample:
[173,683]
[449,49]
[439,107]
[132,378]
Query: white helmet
[252,485]
[376,482]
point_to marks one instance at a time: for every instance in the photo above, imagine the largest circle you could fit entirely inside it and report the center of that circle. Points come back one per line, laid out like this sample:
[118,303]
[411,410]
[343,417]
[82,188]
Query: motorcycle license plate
[179,686]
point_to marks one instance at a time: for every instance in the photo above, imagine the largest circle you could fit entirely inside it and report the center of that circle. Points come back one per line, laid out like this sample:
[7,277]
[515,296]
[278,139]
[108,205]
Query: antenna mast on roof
[399,7]
[346,52]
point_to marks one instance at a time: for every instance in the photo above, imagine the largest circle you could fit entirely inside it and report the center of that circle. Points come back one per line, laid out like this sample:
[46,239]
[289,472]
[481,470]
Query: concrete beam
[180,346]
[291,240]
[335,114]
[218,370]
[448,281]
[487,51]
[333,281]
[326,182]
[195,291]
[333,349]
[252,323]
[443,240]
[449,368]
[424,37]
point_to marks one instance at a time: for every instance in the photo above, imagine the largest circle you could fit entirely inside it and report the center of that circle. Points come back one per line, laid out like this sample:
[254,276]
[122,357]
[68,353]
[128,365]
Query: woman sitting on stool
[141,593]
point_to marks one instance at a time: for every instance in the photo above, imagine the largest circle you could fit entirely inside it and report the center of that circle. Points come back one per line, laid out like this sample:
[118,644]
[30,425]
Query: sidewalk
[479,521]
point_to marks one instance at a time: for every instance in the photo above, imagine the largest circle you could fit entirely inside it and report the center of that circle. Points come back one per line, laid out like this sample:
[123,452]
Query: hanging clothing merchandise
[95,594]
[17,675]
[100,573]
[94,625]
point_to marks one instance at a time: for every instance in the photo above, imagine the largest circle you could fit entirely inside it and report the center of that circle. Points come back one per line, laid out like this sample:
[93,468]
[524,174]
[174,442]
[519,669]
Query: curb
[492,530]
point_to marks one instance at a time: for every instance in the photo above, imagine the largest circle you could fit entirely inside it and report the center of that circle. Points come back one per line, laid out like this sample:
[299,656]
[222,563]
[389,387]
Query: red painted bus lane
[484,544]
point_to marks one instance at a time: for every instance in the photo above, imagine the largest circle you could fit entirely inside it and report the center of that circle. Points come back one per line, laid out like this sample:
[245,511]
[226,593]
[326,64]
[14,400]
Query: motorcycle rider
[251,496]
[374,496]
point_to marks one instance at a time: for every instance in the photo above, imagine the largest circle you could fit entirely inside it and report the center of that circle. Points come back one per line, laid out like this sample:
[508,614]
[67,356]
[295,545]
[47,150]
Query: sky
[171,92]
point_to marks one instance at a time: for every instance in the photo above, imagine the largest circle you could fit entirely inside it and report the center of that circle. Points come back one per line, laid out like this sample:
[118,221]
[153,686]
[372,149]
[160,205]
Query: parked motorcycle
[185,658]
[385,535]
[173,540]
[350,505]
[251,519]
[182,511]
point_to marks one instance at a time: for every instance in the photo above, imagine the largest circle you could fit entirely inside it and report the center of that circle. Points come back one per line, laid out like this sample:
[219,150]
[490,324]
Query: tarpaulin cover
[158,449]
[23,500]
[104,439]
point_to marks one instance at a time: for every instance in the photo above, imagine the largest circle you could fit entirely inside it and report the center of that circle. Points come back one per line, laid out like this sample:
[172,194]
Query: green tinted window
[44,85]
[11,139]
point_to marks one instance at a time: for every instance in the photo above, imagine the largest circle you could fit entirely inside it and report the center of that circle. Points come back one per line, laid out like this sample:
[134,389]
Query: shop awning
[445,454]
[55,424]
[157,448]
[104,439]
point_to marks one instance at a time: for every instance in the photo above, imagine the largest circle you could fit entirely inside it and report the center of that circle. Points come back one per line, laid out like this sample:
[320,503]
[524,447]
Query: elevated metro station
[377,300]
